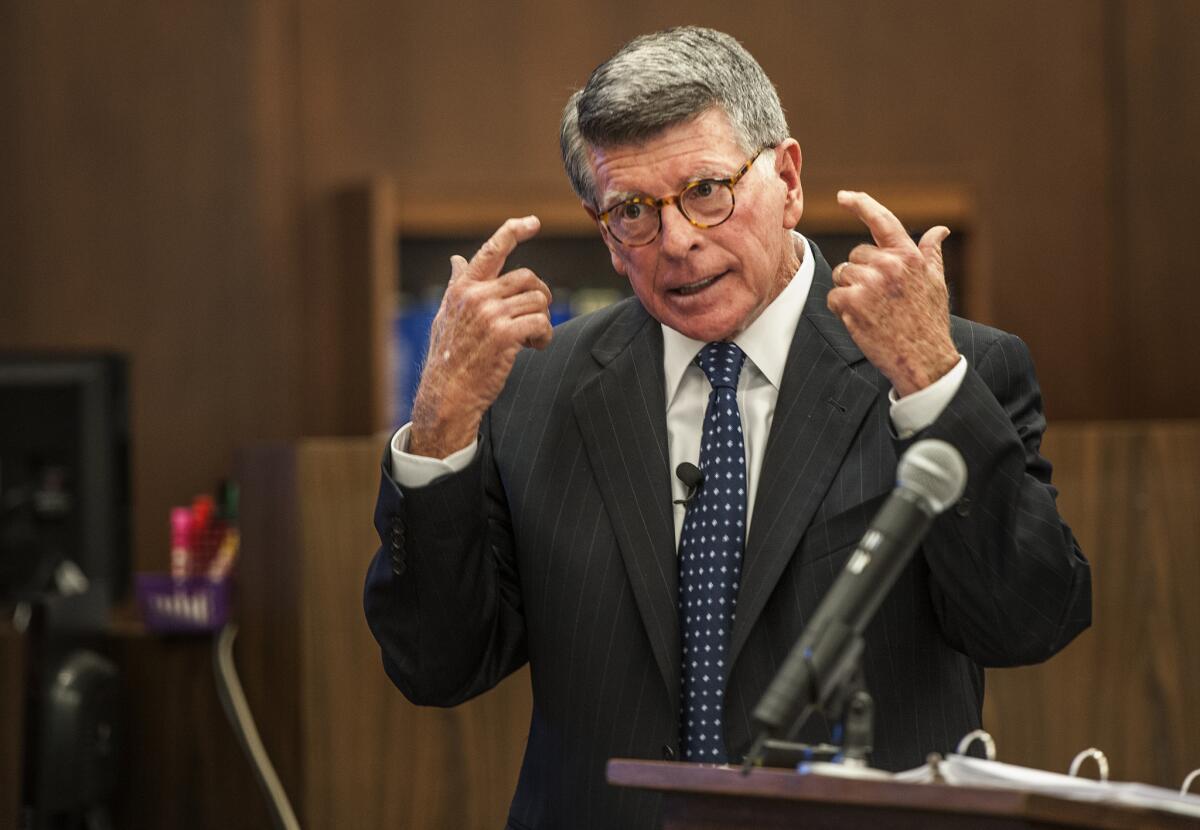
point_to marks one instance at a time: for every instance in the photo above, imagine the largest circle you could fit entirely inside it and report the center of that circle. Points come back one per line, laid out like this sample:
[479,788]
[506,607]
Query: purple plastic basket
[171,605]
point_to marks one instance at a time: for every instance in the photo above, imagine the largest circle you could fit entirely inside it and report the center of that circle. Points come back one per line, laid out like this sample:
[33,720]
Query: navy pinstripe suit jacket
[556,546]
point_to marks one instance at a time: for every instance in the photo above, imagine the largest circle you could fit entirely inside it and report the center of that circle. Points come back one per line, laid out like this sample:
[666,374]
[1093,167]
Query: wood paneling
[146,209]
[350,751]
[269,610]
[365,307]
[1159,166]
[181,766]
[171,178]
[1131,684]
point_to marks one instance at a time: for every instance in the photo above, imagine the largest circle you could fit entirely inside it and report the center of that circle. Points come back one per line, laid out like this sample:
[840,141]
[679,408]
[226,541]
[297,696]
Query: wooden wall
[349,749]
[170,177]
[1130,685]
[148,206]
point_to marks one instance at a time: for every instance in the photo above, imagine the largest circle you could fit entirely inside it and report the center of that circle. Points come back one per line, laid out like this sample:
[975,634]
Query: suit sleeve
[1009,583]
[442,596]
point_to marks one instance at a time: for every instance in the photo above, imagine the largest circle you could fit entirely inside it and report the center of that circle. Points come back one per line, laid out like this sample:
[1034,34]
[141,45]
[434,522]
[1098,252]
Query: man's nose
[679,235]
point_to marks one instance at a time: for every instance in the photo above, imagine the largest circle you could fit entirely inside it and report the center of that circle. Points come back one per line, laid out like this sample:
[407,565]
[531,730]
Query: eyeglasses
[705,203]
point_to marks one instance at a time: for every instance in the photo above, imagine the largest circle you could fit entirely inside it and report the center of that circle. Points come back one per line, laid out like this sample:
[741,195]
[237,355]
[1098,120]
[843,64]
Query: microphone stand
[837,689]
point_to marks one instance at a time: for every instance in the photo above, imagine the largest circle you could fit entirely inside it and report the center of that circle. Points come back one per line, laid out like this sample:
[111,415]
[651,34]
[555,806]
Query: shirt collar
[765,342]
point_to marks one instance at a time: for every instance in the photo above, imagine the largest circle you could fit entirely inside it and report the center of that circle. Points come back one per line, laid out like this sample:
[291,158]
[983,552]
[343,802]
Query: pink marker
[181,554]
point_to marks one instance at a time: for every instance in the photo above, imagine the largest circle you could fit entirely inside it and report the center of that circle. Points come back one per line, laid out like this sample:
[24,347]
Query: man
[526,512]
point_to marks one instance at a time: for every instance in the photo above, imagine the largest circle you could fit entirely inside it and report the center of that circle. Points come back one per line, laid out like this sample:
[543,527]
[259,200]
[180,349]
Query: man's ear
[614,250]
[788,161]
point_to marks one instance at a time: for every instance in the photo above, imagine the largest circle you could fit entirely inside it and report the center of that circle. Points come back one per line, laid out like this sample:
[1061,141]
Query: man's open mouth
[697,287]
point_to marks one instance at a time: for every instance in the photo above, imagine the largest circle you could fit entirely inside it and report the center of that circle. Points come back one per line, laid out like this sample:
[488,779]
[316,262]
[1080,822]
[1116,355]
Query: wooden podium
[699,797]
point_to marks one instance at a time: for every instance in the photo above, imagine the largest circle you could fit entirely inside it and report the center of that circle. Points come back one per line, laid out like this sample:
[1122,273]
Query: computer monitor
[64,468]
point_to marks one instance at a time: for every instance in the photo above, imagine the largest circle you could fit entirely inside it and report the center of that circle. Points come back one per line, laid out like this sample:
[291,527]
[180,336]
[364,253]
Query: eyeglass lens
[704,203]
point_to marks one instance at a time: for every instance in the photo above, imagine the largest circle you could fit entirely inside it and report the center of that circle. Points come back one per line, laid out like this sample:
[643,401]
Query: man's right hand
[485,318]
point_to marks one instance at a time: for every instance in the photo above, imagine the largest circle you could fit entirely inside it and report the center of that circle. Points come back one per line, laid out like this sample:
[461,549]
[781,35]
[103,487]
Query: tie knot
[721,364]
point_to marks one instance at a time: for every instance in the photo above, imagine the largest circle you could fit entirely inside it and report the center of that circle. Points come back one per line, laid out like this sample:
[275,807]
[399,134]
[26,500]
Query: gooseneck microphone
[692,478]
[930,477]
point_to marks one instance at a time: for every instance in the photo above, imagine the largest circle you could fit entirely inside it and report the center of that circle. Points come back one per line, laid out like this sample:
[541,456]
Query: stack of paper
[966,771]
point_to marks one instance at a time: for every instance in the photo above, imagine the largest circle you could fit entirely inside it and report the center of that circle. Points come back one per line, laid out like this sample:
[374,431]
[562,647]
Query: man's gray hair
[663,79]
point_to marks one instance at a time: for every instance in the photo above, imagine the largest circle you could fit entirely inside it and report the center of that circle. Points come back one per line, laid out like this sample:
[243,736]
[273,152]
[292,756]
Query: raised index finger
[489,259]
[886,229]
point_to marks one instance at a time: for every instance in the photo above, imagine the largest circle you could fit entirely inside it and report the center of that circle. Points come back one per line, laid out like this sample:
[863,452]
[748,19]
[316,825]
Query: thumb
[931,242]
[458,265]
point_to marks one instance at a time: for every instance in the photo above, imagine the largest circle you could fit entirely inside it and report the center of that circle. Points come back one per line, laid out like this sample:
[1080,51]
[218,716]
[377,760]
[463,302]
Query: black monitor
[64,471]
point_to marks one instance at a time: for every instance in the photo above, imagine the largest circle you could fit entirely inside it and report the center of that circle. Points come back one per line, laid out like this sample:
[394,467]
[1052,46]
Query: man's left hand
[892,298]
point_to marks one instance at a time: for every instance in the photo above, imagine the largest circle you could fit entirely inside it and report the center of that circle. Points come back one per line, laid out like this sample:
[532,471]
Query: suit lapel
[621,412]
[822,401]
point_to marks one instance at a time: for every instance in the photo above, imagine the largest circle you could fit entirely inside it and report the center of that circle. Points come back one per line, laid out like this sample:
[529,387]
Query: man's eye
[703,190]
[631,212]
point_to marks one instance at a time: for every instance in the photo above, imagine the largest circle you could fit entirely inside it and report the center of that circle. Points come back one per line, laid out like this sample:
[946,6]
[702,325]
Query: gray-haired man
[526,512]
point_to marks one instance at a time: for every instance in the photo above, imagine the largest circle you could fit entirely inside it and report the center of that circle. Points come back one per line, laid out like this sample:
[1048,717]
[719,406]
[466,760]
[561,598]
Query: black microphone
[692,478]
[930,477]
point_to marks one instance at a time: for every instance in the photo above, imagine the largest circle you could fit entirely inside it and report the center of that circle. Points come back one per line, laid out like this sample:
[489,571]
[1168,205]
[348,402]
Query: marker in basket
[205,535]
[222,563]
[181,533]
[227,516]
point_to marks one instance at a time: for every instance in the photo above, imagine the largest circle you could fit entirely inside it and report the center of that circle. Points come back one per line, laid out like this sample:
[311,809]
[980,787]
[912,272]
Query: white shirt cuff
[411,471]
[914,412]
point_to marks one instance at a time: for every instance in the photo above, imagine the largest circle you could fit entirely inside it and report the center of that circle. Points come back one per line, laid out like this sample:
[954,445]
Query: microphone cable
[237,710]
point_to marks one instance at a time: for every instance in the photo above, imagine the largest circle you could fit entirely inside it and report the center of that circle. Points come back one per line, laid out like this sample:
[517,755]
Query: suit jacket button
[963,508]
[668,752]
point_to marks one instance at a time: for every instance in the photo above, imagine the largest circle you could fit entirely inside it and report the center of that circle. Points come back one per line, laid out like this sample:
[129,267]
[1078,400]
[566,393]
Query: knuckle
[491,247]
[506,232]
[867,278]
[860,252]
[497,310]
[891,261]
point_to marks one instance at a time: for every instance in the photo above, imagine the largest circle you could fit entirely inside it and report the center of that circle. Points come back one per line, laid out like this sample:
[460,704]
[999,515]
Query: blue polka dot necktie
[710,559]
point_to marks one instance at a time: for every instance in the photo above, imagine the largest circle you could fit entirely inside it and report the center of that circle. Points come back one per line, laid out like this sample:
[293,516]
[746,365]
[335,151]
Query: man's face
[706,283]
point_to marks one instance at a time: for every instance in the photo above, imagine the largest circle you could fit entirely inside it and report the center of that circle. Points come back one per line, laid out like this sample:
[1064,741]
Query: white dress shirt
[765,342]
